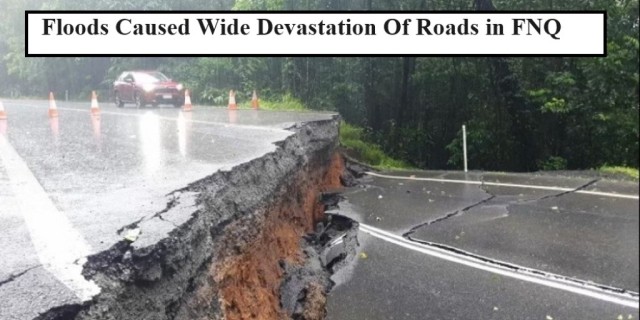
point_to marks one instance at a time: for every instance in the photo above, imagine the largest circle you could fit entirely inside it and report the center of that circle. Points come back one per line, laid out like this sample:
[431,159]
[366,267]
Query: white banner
[121,33]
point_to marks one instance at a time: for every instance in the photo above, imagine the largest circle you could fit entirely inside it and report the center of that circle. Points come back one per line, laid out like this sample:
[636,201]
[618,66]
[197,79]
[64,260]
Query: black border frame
[27,12]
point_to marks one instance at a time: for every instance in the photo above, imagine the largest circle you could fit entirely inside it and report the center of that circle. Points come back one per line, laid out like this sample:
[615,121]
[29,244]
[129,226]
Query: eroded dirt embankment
[246,250]
[250,280]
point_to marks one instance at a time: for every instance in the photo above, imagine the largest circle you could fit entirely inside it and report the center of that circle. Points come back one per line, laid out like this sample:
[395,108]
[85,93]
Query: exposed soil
[250,281]
[316,300]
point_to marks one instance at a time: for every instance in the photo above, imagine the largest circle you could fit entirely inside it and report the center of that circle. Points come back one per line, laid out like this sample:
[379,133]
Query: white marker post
[464,146]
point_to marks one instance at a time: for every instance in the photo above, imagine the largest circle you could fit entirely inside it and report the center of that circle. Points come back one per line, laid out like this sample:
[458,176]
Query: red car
[147,87]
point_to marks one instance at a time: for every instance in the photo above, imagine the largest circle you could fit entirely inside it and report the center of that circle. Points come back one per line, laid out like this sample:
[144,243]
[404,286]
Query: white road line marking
[509,185]
[57,243]
[337,241]
[608,194]
[627,300]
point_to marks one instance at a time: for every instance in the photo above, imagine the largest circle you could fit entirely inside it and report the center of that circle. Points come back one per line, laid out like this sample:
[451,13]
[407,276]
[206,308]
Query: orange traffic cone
[95,110]
[232,100]
[53,108]
[187,102]
[255,103]
[3,115]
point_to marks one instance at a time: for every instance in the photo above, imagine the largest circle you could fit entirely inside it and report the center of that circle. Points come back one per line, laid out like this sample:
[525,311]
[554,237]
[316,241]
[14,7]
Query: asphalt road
[68,185]
[443,247]
[450,245]
[398,283]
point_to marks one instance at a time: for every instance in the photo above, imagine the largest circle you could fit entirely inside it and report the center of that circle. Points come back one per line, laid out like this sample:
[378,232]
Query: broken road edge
[252,242]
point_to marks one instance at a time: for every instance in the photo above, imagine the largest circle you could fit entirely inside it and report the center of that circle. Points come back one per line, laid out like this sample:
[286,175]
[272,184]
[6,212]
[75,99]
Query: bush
[349,133]
[553,163]
[286,103]
[353,138]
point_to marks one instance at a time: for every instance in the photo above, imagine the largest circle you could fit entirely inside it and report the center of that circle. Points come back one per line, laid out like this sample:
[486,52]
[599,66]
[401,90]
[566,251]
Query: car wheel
[119,102]
[138,101]
[177,105]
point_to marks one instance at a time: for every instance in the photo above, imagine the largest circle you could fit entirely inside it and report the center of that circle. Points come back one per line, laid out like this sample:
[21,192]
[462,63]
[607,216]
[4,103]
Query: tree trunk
[518,107]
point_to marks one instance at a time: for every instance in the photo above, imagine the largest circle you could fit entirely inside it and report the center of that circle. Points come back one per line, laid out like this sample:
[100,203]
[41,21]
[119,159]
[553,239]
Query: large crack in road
[252,242]
[494,200]
[447,216]
[255,242]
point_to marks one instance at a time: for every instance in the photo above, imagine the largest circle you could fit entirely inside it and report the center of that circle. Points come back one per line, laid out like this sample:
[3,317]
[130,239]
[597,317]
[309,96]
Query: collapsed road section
[250,242]
[230,259]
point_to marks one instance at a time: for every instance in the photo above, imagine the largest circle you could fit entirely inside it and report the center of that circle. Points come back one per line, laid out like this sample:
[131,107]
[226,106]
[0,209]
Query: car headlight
[148,87]
[179,87]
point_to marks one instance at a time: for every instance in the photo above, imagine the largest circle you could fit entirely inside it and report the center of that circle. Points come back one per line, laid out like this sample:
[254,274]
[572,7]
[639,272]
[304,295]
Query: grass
[353,138]
[626,171]
[286,103]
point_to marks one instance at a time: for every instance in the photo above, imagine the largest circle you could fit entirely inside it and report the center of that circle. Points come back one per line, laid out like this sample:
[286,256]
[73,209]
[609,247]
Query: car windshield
[150,77]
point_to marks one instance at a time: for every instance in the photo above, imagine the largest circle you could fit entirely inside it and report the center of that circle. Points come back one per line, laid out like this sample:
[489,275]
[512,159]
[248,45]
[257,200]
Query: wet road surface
[69,185]
[490,246]
[397,283]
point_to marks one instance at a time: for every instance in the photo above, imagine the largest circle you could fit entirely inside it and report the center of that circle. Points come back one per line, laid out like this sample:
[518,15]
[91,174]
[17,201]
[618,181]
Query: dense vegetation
[521,113]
